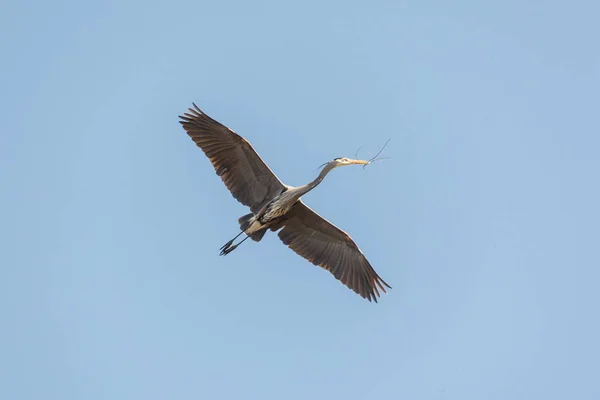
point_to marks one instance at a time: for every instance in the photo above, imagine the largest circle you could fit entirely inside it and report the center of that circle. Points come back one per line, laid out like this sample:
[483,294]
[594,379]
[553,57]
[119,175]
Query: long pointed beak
[359,162]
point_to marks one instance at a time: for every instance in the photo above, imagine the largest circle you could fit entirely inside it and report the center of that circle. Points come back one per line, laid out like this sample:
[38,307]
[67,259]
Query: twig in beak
[374,158]
[356,154]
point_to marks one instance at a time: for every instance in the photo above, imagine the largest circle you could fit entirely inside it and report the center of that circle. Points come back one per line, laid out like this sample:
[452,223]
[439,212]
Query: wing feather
[241,169]
[323,244]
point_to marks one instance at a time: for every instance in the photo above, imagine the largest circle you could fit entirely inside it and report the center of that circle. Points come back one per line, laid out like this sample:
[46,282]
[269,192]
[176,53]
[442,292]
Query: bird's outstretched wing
[322,243]
[242,170]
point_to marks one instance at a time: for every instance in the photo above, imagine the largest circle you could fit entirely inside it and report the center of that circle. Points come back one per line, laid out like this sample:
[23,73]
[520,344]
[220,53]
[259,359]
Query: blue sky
[485,220]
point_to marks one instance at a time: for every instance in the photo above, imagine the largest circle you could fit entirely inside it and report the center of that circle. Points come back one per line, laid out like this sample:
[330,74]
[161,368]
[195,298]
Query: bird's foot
[227,250]
[226,245]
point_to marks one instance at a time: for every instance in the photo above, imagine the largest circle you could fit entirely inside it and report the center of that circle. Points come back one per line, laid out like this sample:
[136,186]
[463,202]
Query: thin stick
[356,154]
[374,158]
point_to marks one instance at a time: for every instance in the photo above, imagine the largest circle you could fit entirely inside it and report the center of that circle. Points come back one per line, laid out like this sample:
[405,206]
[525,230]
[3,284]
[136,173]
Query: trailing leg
[248,225]
[228,244]
[228,249]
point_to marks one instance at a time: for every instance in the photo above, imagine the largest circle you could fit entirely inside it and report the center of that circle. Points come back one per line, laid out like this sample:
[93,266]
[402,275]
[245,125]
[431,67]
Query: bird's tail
[245,223]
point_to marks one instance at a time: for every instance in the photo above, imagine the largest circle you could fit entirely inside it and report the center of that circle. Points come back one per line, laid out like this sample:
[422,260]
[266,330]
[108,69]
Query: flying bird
[278,207]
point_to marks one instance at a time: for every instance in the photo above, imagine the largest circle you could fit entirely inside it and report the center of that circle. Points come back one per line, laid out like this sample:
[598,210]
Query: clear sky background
[485,220]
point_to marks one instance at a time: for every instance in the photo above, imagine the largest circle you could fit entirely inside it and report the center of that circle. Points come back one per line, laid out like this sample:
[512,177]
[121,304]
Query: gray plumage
[278,207]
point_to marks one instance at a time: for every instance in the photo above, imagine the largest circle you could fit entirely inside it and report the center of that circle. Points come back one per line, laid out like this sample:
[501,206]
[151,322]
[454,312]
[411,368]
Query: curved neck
[302,190]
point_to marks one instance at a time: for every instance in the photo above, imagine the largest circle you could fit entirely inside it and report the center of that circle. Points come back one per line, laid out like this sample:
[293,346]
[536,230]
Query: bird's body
[281,204]
[273,211]
[278,207]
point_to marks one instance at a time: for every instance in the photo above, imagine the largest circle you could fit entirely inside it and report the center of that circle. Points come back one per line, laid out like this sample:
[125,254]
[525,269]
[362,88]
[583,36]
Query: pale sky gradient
[485,220]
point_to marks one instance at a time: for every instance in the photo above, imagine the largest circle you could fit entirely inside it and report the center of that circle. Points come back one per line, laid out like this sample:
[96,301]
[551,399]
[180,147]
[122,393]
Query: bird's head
[343,161]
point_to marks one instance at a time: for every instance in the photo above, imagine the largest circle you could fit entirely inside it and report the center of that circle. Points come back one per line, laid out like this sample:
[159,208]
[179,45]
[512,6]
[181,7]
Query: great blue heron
[277,206]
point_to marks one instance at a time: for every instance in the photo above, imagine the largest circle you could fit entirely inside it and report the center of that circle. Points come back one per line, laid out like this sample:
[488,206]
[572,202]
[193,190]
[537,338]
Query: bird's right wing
[244,173]
[322,243]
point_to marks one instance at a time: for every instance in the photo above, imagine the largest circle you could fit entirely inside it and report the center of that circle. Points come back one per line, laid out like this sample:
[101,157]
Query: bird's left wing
[242,170]
[322,243]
